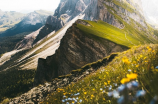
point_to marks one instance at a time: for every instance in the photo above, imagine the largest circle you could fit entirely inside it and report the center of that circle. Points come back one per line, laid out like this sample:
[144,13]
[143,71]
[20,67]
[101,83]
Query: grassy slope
[119,36]
[93,89]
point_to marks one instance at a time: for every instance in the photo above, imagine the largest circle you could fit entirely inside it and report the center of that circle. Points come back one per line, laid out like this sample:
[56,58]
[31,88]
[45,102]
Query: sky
[26,6]
[151,10]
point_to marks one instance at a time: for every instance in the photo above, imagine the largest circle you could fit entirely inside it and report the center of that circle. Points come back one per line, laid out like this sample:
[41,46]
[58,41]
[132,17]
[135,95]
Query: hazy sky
[28,5]
[151,9]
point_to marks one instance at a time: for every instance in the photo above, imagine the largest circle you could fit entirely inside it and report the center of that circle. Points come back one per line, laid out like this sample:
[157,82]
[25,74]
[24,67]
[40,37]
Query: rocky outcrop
[76,50]
[55,23]
[39,93]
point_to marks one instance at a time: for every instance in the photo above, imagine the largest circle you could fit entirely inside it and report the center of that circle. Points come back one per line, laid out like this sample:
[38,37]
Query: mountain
[30,22]
[79,33]
[9,19]
[66,11]
[86,41]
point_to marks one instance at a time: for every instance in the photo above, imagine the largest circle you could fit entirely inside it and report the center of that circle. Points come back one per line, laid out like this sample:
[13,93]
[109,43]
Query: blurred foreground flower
[140,93]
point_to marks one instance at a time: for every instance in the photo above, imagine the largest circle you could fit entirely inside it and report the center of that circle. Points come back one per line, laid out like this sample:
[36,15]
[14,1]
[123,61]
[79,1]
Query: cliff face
[104,10]
[76,50]
[71,8]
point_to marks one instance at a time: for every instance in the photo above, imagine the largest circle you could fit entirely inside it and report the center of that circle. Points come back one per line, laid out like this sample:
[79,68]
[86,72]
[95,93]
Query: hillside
[129,78]
[122,78]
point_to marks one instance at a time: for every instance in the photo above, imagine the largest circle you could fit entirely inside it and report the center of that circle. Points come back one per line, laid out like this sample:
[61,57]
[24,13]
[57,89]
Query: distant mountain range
[14,26]
[27,23]
[9,19]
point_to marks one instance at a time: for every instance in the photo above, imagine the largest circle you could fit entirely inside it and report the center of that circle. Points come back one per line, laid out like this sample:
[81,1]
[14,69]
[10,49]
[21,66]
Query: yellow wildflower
[149,49]
[92,96]
[109,82]
[85,93]
[125,80]
[93,89]
[105,83]
[64,93]
[132,76]
[137,66]
[125,60]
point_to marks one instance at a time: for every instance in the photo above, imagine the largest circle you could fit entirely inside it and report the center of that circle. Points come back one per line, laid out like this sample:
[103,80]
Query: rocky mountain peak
[66,11]
[55,22]
[70,8]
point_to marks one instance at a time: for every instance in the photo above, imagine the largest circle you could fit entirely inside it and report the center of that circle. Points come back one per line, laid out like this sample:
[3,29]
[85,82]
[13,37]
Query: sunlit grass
[119,36]
[137,64]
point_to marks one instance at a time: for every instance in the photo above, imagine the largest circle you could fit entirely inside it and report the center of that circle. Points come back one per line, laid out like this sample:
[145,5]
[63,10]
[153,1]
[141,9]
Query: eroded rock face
[76,50]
